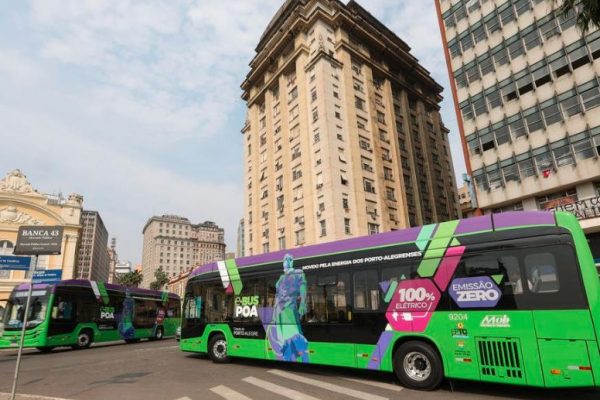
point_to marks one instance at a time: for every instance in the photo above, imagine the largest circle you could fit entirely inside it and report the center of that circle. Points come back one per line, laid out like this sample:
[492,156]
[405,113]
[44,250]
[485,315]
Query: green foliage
[130,279]
[588,12]
[160,280]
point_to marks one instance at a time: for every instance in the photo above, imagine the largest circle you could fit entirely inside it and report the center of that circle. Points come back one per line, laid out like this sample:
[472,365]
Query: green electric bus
[77,313]
[507,298]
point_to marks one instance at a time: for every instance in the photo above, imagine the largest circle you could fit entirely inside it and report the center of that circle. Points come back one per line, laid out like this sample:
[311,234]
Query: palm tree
[130,279]
[588,12]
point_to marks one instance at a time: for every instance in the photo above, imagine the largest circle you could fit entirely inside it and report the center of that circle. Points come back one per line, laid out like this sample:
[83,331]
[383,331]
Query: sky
[136,104]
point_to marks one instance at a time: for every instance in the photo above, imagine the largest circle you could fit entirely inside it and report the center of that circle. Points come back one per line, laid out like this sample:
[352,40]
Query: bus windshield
[15,309]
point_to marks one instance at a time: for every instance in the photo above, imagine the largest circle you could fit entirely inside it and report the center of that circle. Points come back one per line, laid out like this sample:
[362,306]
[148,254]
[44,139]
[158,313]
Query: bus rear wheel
[217,349]
[418,366]
[158,334]
[84,339]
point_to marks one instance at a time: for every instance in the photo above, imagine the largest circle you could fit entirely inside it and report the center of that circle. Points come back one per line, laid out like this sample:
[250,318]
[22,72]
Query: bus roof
[467,226]
[108,286]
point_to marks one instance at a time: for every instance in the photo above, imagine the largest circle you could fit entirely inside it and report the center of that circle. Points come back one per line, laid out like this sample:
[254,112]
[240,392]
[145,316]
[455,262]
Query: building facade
[240,239]
[343,134]
[526,88]
[123,267]
[176,245]
[21,204]
[177,285]
[93,262]
[113,258]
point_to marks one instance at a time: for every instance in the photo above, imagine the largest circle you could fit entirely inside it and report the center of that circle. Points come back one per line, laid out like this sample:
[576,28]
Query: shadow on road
[480,389]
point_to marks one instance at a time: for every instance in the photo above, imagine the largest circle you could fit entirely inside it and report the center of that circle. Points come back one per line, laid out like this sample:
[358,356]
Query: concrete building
[113,258]
[240,239]
[465,201]
[21,204]
[343,134]
[526,87]
[123,267]
[177,285]
[93,261]
[175,244]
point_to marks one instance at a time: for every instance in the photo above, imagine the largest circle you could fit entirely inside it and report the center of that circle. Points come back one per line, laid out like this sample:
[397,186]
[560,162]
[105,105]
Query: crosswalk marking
[228,393]
[280,390]
[382,385]
[328,386]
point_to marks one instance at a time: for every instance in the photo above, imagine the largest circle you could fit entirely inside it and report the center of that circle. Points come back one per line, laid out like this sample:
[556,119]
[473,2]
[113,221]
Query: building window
[313,95]
[373,228]
[347,226]
[345,203]
[299,237]
[343,178]
[315,115]
[368,185]
[381,117]
[390,194]
[359,103]
[323,227]
[554,200]
[281,242]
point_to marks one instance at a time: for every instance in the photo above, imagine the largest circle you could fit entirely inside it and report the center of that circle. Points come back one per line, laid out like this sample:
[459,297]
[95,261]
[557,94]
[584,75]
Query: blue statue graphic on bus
[126,328]
[284,331]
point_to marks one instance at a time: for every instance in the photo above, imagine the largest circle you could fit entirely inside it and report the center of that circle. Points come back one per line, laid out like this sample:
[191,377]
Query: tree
[160,279]
[130,279]
[588,12]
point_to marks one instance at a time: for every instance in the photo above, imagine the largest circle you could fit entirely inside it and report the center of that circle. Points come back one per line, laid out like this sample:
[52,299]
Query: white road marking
[280,390]
[328,386]
[382,385]
[228,393]
[184,398]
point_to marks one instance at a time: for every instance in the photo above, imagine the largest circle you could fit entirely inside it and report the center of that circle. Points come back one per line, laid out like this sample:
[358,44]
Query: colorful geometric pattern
[230,276]
[100,291]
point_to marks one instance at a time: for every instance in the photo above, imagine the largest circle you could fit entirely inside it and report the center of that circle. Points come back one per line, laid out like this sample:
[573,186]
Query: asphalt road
[158,370]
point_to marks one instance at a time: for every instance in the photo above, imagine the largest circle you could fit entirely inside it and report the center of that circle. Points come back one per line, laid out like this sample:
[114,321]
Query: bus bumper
[11,340]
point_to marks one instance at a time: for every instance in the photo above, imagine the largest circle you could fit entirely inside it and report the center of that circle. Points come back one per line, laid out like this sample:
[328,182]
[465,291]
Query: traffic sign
[47,276]
[39,240]
[14,263]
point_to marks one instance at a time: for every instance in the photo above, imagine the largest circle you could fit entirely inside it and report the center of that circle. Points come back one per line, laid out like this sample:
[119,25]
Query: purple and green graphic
[476,292]
[284,331]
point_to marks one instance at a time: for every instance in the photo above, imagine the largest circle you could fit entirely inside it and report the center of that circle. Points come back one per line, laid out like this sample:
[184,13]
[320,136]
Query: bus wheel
[158,335]
[217,349]
[45,349]
[84,339]
[418,366]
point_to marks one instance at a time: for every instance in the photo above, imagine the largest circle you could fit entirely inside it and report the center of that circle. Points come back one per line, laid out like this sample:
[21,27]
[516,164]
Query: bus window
[63,310]
[399,272]
[316,306]
[219,306]
[328,298]
[173,308]
[541,273]
[366,291]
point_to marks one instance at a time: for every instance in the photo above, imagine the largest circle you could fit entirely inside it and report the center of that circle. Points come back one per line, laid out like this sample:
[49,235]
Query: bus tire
[45,349]
[84,339]
[217,349]
[159,333]
[418,366]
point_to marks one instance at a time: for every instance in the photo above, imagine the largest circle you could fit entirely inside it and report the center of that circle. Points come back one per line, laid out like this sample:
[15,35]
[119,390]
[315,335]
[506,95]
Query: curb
[6,396]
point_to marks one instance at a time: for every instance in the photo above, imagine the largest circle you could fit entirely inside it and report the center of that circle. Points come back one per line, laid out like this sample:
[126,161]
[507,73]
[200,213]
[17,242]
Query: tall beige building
[93,262]
[343,134]
[526,88]
[21,204]
[176,245]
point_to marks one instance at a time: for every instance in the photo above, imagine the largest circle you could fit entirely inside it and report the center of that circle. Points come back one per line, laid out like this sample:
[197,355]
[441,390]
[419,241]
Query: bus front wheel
[159,334]
[217,349]
[84,339]
[418,366]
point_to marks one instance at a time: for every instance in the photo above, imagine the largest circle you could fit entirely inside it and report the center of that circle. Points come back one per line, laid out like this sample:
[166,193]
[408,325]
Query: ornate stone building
[344,136]
[21,204]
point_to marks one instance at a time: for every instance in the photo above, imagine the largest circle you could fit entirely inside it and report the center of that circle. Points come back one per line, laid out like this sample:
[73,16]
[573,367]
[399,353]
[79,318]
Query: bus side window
[541,273]
[63,310]
[366,291]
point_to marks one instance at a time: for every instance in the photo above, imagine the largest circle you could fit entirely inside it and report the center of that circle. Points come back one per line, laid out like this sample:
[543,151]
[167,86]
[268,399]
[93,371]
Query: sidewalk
[6,396]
